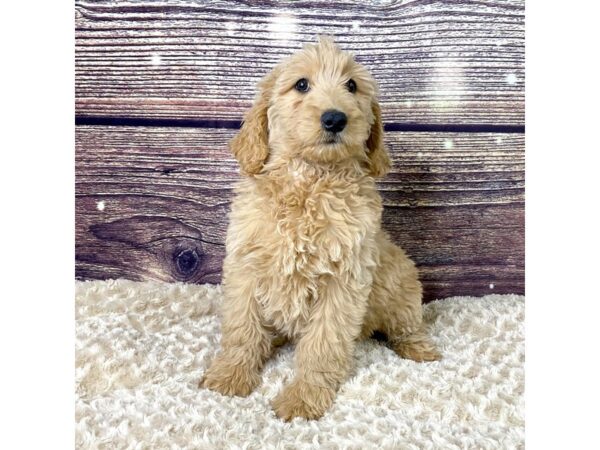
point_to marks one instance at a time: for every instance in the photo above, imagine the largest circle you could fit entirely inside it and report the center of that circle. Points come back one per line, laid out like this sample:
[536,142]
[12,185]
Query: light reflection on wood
[444,62]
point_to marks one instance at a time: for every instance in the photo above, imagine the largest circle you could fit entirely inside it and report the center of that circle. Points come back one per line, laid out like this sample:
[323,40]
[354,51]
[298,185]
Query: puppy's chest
[321,228]
[320,233]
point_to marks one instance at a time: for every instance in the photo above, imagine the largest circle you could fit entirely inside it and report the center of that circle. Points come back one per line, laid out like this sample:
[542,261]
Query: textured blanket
[141,349]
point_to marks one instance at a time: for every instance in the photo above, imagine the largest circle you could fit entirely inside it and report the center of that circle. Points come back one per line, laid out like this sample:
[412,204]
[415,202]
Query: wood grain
[437,62]
[152,203]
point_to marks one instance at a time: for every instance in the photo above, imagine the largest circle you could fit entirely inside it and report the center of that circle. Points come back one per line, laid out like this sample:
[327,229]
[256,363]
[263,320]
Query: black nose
[333,120]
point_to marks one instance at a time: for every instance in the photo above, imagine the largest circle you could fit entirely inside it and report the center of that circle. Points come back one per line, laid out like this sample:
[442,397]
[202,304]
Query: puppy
[307,259]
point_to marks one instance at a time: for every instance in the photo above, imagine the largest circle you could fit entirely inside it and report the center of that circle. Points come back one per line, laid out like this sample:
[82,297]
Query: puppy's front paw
[300,399]
[230,379]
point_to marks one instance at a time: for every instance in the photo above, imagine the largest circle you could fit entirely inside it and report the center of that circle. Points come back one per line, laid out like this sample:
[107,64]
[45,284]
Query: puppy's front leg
[245,345]
[324,352]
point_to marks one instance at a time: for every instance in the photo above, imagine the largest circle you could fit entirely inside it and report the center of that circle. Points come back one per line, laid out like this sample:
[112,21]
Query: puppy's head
[318,104]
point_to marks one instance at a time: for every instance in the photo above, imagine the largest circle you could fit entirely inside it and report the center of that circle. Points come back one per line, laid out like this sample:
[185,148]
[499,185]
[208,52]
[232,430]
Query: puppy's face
[319,105]
[321,108]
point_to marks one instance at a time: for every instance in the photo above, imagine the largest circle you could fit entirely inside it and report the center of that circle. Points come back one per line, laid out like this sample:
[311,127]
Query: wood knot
[187,261]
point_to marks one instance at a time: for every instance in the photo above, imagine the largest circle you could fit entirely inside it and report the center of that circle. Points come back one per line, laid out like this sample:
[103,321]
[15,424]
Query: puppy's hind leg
[416,346]
[395,305]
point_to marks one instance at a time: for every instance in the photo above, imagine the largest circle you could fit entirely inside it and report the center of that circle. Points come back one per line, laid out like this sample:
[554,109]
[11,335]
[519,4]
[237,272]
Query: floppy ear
[379,161]
[251,145]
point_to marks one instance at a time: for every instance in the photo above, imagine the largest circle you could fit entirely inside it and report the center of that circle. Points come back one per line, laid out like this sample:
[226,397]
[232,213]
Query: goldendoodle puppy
[307,259]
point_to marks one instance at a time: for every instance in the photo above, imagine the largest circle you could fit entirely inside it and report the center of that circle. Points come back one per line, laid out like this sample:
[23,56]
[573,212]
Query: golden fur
[307,259]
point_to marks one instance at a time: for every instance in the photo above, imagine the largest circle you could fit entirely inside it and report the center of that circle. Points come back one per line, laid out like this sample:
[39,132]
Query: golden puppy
[306,256]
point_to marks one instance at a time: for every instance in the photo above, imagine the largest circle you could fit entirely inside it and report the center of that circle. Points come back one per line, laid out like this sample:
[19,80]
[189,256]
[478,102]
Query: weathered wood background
[161,87]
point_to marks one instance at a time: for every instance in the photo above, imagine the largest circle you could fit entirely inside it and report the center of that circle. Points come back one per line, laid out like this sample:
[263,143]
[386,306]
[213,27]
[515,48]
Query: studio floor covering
[141,349]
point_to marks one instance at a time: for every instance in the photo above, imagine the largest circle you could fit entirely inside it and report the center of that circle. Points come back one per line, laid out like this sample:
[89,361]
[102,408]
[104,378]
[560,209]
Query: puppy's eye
[351,85]
[302,85]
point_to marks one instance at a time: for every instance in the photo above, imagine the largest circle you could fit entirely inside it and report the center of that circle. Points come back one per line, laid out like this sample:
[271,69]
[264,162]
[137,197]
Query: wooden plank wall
[161,87]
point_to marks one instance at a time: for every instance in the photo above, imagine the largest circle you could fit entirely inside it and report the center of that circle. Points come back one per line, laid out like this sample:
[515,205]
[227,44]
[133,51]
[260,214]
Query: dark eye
[351,85]
[302,85]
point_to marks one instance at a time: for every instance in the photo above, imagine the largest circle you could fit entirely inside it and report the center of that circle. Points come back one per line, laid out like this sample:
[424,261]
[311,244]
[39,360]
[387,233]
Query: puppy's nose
[333,120]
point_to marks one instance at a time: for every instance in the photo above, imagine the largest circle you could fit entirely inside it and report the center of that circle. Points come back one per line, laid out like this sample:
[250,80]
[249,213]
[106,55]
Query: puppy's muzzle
[333,121]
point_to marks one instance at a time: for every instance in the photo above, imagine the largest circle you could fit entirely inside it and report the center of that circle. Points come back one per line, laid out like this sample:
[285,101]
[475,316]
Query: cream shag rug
[142,347]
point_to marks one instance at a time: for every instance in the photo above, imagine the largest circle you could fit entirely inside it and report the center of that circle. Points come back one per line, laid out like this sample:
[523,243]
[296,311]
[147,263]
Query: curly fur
[306,256]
